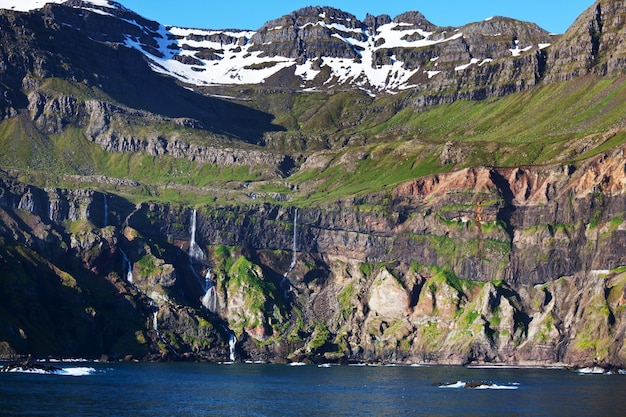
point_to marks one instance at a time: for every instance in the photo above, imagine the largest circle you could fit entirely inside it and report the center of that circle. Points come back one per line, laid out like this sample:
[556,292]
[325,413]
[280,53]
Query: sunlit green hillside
[340,145]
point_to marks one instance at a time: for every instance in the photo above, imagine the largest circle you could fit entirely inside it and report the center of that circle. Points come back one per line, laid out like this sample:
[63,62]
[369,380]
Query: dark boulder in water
[477,384]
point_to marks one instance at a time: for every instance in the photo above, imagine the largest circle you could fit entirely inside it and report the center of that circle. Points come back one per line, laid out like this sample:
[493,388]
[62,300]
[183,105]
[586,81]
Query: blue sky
[553,15]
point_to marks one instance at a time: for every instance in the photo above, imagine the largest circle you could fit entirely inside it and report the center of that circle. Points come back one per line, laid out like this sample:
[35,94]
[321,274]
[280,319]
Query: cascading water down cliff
[232,343]
[195,253]
[209,300]
[127,266]
[285,284]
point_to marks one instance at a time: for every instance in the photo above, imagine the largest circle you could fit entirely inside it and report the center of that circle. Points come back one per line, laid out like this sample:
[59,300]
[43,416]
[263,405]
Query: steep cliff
[593,44]
[505,265]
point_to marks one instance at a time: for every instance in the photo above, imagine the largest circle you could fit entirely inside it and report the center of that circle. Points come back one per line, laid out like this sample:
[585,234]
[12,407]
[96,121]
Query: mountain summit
[314,48]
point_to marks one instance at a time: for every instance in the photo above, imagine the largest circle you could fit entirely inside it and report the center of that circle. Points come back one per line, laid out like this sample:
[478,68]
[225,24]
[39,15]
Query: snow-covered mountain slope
[312,48]
[231,58]
[324,48]
[29,5]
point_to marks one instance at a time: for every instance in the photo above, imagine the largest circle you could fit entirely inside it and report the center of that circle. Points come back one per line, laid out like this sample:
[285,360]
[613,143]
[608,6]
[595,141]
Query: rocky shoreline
[26,363]
[29,366]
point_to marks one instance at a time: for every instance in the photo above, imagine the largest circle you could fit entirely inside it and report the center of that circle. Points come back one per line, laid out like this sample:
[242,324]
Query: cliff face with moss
[515,265]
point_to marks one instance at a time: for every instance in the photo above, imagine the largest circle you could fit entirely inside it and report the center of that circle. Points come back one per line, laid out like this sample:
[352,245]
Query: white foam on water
[485,386]
[28,371]
[596,370]
[498,387]
[78,371]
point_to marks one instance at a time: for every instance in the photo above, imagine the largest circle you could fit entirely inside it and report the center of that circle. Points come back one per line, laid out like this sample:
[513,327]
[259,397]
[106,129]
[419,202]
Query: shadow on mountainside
[124,74]
[47,49]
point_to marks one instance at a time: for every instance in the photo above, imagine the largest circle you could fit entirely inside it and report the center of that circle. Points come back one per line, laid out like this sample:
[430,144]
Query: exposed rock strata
[101,121]
[501,265]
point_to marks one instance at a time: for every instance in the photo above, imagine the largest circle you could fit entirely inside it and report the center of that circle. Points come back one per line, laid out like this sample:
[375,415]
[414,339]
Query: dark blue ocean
[197,389]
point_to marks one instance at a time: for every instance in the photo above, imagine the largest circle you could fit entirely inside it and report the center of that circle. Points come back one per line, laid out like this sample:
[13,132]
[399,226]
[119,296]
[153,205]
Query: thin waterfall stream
[209,300]
[129,267]
[285,284]
[195,253]
[106,211]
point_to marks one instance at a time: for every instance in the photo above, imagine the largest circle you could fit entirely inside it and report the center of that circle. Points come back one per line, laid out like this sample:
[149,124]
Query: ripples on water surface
[185,389]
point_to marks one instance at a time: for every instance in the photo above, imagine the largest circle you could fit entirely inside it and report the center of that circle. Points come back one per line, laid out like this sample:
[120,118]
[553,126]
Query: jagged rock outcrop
[593,44]
[300,35]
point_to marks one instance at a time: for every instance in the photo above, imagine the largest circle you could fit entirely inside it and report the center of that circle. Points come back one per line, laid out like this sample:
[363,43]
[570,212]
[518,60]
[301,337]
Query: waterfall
[208,284]
[232,343]
[294,246]
[284,284]
[106,211]
[129,267]
[194,250]
[209,300]
[155,308]
[129,273]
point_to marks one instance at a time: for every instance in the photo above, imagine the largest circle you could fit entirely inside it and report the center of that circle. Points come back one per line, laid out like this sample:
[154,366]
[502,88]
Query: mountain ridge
[322,39]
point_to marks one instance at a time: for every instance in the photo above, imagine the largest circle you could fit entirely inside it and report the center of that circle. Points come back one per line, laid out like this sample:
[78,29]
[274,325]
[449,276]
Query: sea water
[198,389]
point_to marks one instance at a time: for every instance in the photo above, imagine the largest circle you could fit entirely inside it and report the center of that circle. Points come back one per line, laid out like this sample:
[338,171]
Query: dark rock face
[299,35]
[315,33]
[36,47]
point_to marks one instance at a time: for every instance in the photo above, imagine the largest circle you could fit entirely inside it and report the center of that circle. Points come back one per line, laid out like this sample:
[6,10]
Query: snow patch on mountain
[29,5]
[232,60]
[26,5]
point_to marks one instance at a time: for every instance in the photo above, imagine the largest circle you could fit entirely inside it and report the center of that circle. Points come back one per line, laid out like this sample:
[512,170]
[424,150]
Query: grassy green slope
[351,144]
[556,123]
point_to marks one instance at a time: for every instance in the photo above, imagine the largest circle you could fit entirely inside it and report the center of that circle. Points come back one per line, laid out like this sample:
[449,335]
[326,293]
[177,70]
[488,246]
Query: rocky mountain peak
[313,15]
[307,33]
[374,22]
[414,18]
